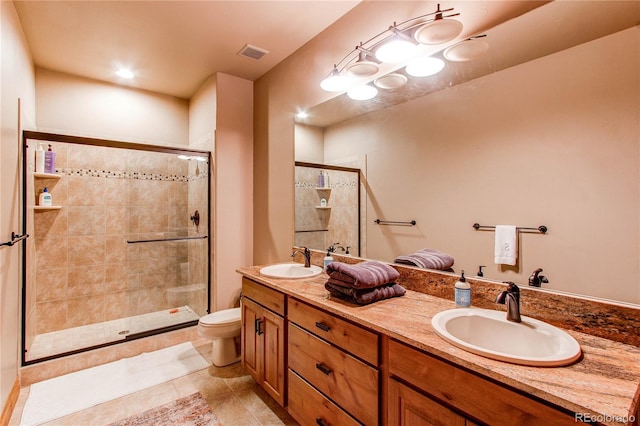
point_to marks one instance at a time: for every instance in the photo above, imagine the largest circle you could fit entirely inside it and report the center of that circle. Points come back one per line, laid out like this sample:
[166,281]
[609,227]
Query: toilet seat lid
[226,316]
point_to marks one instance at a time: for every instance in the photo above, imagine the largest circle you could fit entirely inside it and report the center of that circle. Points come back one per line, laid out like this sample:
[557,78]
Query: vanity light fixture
[335,82]
[365,66]
[397,49]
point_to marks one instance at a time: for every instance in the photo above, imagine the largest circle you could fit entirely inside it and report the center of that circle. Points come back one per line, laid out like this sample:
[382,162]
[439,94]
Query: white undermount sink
[489,334]
[290,271]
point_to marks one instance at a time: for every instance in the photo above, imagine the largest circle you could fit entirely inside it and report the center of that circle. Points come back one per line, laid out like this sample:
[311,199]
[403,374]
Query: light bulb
[362,92]
[124,73]
[335,82]
[395,50]
[424,67]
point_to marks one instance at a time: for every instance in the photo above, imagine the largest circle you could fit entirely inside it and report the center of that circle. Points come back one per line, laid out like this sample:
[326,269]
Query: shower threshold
[86,336]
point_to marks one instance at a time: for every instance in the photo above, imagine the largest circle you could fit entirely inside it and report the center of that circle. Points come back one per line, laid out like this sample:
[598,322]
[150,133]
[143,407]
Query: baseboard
[7,410]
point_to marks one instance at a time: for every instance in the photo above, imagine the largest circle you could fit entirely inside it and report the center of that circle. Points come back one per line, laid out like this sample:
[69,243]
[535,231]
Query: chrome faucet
[511,297]
[307,256]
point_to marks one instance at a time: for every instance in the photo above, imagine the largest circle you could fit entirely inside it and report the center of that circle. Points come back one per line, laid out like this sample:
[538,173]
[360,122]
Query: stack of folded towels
[364,282]
[427,259]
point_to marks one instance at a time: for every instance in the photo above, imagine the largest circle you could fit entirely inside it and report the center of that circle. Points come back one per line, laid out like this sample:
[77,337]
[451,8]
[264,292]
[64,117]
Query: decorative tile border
[118,174]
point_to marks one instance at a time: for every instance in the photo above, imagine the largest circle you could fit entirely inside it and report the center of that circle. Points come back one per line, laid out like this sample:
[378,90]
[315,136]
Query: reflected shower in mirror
[327,207]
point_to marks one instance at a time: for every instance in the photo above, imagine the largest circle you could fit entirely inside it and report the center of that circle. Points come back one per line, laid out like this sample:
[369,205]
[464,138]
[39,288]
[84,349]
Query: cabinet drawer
[471,394]
[347,381]
[267,297]
[310,407]
[358,341]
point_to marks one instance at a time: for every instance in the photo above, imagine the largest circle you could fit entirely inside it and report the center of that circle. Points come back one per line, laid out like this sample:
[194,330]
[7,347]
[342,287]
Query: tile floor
[234,397]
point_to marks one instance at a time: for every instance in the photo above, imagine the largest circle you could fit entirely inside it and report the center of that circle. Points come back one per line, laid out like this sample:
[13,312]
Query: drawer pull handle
[322,326]
[320,422]
[258,326]
[324,368]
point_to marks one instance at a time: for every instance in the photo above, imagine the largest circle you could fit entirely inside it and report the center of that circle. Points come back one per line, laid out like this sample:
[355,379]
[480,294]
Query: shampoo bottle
[321,180]
[50,161]
[463,292]
[39,159]
[327,259]
[45,198]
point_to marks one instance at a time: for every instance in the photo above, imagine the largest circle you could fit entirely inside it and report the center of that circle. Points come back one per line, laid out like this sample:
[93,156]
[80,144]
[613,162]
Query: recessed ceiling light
[302,114]
[124,73]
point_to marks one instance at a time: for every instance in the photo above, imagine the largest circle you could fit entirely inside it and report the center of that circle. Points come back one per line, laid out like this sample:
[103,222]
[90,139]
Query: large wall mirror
[542,130]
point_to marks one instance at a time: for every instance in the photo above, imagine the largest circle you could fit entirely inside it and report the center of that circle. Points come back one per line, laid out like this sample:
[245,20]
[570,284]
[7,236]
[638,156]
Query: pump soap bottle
[463,292]
[328,258]
[50,161]
[45,198]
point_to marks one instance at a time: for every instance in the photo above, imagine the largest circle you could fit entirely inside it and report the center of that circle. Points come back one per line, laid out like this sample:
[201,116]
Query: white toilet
[223,327]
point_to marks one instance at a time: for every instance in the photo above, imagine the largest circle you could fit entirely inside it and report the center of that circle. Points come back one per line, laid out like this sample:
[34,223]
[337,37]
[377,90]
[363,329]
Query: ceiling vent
[253,52]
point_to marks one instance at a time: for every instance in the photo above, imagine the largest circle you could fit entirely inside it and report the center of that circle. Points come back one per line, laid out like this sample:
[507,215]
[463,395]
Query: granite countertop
[604,384]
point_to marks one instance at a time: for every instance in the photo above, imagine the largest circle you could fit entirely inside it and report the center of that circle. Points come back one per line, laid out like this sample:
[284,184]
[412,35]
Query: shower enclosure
[123,251]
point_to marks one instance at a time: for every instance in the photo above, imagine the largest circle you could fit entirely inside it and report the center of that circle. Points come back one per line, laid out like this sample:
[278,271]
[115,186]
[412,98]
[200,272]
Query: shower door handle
[258,326]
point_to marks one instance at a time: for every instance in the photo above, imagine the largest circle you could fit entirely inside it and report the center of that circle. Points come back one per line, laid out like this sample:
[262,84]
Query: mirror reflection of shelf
[45,208]
[47,175]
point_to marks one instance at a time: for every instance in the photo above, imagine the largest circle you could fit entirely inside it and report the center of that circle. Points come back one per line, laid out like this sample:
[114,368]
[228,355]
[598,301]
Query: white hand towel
[506,250]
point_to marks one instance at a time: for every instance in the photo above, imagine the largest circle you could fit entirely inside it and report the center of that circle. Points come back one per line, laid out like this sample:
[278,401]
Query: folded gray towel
[427,259]
[366,296]
[366,274]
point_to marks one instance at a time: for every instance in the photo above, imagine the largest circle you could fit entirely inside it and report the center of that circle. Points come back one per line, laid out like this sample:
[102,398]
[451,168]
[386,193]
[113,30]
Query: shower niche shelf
[40,175]
[46,208]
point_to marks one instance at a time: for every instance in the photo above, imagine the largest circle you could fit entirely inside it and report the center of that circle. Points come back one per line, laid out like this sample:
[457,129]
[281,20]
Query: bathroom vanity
[343,364]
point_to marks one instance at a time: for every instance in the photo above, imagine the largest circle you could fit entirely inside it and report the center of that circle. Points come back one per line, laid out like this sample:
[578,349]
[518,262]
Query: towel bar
[14,239]
[166,239]
[541,229]
[391,222]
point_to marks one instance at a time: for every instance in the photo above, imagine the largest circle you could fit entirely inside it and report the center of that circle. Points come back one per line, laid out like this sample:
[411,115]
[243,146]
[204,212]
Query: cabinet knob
[320,422]
[258,326]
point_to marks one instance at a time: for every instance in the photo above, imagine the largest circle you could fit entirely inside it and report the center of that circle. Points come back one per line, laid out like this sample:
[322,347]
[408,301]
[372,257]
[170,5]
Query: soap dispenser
[463,292]
[45,198]
[328,258]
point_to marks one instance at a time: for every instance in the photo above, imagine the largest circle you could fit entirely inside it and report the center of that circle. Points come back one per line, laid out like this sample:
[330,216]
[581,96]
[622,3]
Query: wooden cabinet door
[272,329]
[410,408]
[251,341]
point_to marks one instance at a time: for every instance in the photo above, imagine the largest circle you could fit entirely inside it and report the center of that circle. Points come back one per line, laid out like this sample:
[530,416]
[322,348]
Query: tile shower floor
[234,397]
[70,339]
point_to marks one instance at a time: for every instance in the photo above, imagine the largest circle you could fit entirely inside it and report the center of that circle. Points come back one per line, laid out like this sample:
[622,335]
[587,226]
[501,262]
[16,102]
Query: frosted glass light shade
[424,67]
[362,92]
[438,31]
[391,81]
[466,50]
[335,82]
[362,69]
[395,50]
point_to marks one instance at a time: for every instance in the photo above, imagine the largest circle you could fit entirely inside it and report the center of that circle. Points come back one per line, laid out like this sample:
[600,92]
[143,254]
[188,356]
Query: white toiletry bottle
[326,179]
[45,198]
[327,259]
[463,292]
[50,161]
[323,202]
[40,159]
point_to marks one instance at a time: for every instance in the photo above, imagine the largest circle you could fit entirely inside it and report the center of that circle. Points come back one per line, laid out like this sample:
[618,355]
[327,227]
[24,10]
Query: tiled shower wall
[317,227]
[81,268]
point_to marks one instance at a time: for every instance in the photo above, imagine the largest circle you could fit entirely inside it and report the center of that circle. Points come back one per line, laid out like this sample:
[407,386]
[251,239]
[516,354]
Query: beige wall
[541,143]
[17,82]
[74,105]
[309,143]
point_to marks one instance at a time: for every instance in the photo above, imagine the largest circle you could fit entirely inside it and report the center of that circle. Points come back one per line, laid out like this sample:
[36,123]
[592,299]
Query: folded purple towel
[366,274]
[427,259]
[366,296]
